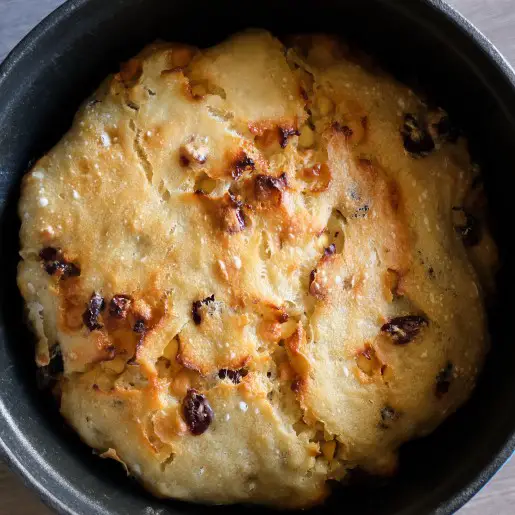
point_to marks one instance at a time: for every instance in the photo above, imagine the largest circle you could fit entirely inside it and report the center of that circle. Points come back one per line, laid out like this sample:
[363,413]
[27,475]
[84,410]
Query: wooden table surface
[496,18]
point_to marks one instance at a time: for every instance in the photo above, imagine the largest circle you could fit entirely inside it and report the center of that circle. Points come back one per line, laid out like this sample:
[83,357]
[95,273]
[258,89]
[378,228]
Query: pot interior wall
[68,59]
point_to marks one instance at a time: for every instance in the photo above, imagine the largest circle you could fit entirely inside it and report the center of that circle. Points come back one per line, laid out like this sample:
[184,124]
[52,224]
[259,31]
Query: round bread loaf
[254,268]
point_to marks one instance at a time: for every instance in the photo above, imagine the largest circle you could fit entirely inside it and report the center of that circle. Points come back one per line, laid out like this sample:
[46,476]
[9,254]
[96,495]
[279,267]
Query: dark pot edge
[502,457]
[29,478]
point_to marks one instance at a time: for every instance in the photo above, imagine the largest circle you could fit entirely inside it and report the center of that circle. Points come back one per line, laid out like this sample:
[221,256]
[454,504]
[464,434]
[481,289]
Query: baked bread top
[260,267]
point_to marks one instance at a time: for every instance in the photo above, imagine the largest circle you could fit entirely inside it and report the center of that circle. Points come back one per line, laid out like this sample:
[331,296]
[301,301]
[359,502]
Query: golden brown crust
[259,266]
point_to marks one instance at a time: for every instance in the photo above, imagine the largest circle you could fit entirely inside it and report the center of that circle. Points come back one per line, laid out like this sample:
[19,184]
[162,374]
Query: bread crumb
[43,202]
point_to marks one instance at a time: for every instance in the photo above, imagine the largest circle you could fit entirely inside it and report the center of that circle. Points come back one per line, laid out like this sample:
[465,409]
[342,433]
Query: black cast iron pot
[42,83]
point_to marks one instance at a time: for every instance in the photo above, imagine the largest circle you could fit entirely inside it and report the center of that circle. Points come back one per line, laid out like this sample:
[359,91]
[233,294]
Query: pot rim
[47,483]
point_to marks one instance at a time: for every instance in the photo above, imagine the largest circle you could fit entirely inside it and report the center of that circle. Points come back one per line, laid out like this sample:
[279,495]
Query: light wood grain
[495,18]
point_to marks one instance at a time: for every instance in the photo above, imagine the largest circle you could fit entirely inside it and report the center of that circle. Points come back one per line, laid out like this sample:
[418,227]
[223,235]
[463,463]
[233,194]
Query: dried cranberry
[296,385]
[467,226]
[315,288]
[232,215]
[285,133]
[110,351]
[416,138]
[347,131]
[404,329]
[95,306]
[283,317]
[240,217]
[234,375]
[242,165]
[344,129]
[233,219]
[49,254]
[195,310]
[139,326]
[54,267]
[268,188]
[197,412]
[56,264]
[65,269]
[119,306]
[72,270]
[329,251]
[368,353]
[443,380]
